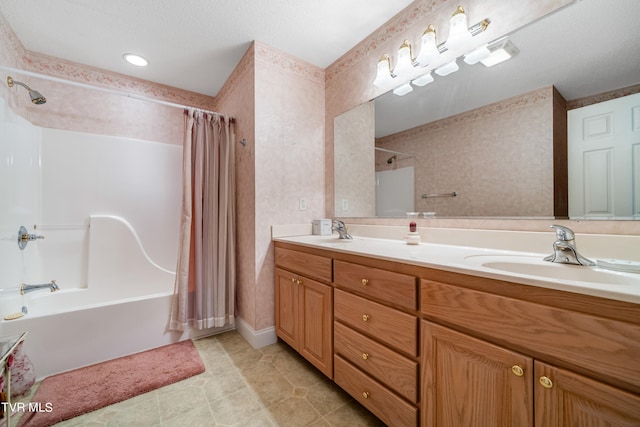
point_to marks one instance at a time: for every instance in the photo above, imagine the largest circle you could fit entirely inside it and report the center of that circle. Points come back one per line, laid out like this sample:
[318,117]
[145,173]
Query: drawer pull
[517,370]
[365,356]
[546,382]
[365,282]
[365,394]
[365,317]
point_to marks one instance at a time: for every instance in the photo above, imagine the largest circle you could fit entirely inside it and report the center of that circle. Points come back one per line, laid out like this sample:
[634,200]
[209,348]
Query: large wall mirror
[491,129]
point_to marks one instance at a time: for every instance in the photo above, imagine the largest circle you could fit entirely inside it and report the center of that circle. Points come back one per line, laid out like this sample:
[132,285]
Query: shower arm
[11,83]
[36,97]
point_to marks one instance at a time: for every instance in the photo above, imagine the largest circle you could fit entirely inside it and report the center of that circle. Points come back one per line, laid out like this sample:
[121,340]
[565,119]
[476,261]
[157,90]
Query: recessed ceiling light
[134,59]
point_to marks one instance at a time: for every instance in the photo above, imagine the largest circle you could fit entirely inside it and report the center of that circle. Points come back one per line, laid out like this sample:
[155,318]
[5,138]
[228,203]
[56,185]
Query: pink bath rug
[69,394]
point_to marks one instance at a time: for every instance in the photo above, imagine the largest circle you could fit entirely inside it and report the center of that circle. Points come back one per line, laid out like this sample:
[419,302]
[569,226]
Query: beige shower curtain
[204,295]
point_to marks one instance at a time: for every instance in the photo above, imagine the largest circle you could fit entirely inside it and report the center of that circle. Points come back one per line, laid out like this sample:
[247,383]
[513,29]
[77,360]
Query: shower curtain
[204,294]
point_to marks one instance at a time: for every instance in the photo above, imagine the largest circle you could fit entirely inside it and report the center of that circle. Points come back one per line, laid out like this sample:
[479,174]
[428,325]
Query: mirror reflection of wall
[497,159]
[353,158]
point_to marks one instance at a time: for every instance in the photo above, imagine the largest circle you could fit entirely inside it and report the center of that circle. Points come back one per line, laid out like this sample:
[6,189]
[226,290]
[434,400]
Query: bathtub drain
[14,316]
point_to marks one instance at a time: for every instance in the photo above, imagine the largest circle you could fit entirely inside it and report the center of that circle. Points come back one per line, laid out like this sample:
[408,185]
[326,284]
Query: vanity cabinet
[512,362]
[376,340]
[470,382]
[429,347]
[304,306]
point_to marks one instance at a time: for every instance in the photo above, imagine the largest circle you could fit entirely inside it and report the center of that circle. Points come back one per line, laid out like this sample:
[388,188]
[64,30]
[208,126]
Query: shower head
[391,159]
[36,97]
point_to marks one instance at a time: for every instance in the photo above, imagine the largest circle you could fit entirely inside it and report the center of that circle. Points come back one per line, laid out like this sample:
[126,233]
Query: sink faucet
[341,229]
[25,289]
[564,248]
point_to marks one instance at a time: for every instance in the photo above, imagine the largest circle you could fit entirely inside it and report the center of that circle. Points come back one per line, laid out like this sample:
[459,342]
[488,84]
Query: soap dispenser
[412,237]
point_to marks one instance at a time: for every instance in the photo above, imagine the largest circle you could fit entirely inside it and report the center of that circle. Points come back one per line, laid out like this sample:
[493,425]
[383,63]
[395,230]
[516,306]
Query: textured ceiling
[192,44]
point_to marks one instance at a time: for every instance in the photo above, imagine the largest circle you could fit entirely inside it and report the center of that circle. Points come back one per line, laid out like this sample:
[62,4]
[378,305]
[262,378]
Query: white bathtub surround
[123,310]
[205,287]
[109,210]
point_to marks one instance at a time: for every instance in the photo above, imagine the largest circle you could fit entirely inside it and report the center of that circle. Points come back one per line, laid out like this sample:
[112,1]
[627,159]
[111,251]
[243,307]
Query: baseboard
[257,339]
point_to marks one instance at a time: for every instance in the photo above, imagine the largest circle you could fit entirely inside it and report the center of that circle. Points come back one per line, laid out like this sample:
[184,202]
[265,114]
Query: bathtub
[123,308]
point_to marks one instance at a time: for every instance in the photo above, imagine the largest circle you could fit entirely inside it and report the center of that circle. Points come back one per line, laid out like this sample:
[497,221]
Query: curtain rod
[111,91]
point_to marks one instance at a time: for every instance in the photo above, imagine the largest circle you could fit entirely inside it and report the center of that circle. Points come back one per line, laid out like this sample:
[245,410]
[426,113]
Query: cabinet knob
[365,317]
[365,356]
[517,370]
[299,282]
[546,382]
[365,282]
[365,394]
[293,280]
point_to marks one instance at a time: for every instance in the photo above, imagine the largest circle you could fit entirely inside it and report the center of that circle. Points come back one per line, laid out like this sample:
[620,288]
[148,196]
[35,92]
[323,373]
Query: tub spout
[25,289]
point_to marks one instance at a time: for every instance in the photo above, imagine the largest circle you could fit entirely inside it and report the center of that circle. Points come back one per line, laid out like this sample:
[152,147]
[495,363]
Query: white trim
[257,339]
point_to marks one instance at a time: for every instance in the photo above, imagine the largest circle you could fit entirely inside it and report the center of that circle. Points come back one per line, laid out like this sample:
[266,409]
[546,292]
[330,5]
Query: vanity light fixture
[405,59]
[501,51]
[383,75]
[459,37]
[403,90]
[428,48]
[448,68]
[459,34]
[423,80]
[477,55]
[136,60]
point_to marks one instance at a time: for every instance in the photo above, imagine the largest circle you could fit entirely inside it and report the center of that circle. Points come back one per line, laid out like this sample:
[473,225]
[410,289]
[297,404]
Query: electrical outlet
[302,204]
[345,204]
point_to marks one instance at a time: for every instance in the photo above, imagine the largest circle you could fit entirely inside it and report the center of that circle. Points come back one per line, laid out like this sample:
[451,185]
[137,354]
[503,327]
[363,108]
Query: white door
[604,160]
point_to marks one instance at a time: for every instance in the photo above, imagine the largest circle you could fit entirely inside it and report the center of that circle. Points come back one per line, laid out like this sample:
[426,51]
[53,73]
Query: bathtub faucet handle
[24,237]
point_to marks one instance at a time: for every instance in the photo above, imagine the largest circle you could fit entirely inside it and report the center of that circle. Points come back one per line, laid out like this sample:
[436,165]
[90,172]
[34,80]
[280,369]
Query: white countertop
[593,281]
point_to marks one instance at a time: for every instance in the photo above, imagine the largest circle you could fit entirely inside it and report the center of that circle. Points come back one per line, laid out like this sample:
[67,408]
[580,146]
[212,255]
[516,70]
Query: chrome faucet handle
[563,233]
[564,248]
[341,228]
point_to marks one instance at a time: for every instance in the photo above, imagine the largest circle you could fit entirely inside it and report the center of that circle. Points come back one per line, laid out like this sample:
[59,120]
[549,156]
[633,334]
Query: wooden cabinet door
[564,398]
[316,314]
[287,321]
[470,382]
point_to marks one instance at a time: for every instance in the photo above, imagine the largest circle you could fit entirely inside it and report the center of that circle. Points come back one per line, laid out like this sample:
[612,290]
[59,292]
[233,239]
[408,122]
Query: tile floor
[242,386]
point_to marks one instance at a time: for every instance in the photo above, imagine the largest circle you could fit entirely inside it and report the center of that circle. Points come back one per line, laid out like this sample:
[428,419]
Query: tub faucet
[564,248]
[25,289]
[341,229]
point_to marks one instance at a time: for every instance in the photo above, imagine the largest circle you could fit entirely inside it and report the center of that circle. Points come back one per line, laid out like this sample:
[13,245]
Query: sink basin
[332,240]
[535,266]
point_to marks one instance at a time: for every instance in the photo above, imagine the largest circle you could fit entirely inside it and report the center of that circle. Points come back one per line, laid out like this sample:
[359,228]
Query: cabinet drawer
[383,403]
[391,287]
[395,371]
[314,266]
[398,329]
[606,348]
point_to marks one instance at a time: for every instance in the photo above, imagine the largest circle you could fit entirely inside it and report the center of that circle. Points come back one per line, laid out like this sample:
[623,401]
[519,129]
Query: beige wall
[354,161]
[280,103]
[237,98]
[498,159]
